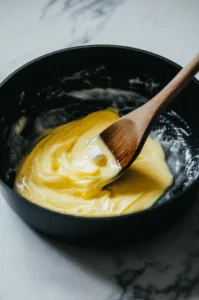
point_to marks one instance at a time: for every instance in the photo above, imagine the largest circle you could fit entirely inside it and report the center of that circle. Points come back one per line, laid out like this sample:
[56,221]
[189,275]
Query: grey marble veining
[165,269]
[96,8]
[92,12]
[33,267]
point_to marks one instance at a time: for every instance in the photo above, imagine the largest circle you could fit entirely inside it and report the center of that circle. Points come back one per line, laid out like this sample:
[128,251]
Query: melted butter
[58,173]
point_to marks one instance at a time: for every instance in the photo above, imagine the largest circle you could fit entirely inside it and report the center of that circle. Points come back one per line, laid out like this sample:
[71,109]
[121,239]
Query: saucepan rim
[108,218]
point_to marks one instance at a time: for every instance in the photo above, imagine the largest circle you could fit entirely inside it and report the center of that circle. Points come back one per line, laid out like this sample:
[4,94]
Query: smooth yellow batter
[58,173]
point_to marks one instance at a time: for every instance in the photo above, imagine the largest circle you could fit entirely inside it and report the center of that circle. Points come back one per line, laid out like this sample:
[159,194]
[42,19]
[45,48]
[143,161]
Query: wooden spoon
[125,137]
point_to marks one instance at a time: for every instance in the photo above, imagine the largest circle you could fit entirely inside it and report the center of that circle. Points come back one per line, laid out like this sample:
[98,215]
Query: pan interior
[88,90]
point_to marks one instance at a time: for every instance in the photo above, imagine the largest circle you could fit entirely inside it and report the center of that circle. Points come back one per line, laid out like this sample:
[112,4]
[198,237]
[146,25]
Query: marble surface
[33,267]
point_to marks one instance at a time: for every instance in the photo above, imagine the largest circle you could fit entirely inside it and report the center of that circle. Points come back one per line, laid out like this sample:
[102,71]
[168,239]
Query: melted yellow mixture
[60,175]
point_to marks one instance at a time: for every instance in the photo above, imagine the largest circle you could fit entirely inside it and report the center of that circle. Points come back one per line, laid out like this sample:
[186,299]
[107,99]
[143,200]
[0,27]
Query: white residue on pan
[83,74]
[109,93]
[20,125]
[179,154]
[150,83]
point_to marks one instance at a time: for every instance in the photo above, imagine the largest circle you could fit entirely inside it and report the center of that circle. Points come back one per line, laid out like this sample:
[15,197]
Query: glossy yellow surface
[59,175]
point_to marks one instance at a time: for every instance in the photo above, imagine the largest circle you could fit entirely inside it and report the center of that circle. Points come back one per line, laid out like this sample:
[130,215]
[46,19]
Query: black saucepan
[71,83]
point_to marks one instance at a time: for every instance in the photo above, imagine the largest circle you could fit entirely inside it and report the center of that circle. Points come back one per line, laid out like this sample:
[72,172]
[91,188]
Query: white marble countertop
[32,267]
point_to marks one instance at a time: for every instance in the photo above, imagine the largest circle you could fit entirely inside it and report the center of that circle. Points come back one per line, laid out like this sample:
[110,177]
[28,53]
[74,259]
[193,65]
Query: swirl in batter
[59,174]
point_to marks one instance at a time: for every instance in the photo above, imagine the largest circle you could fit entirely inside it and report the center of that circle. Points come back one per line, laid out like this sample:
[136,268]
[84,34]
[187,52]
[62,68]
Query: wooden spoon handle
[126,137]
[164,97]
[146,114]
